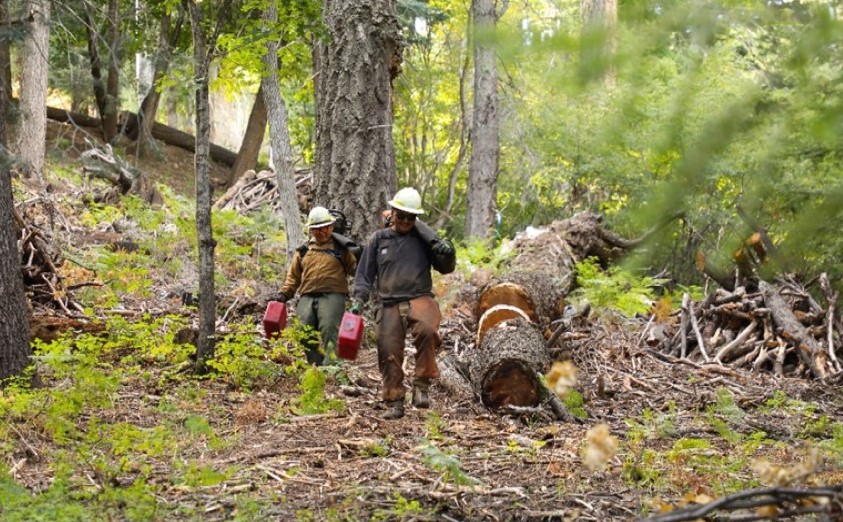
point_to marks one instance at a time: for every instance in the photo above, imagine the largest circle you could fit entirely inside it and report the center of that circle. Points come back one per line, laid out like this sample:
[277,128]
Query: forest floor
[685,433]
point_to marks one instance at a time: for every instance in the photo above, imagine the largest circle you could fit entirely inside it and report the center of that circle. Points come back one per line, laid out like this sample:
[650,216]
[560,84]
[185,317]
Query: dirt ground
[460,461]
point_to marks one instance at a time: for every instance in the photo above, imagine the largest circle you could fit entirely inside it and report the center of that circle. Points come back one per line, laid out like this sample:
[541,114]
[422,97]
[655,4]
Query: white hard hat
[320,217]
[408,200]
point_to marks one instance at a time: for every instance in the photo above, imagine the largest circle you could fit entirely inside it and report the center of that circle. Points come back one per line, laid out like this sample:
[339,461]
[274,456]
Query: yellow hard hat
[319,217]
[408,200]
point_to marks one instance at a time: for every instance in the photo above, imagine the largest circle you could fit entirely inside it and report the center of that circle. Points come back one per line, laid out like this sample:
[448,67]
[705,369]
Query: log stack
[778,328]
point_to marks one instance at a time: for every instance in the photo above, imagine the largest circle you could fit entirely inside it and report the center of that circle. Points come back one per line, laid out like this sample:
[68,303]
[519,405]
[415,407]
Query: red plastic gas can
[274,319]
[351,333]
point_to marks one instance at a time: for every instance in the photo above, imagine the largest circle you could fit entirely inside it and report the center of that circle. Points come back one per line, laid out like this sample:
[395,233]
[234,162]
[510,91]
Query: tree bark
[485,138]
[177,138]
[112,99]
[810,351]
[203,47]
[15,351]
[31,136]
[355,156]
[599,37]
[279,136]
[142,131]
[105,92]
[504,370]
[5,73]
[250,147]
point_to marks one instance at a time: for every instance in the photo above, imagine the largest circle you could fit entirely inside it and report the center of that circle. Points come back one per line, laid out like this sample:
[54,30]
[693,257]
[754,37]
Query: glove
[444,247]
[355,307]
[281,297]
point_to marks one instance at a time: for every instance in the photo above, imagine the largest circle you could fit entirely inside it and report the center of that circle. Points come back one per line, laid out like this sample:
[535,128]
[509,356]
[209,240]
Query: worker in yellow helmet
[400,258]
[319,272]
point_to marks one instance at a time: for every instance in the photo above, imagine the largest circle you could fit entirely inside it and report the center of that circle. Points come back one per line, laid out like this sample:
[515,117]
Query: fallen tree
[515,313]
[128,120]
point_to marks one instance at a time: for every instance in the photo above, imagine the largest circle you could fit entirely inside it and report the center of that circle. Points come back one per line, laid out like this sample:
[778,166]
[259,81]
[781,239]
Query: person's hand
[443,247]
[281,298]
[355,307]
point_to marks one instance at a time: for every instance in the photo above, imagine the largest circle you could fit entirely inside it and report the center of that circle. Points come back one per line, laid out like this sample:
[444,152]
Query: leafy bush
[614,289]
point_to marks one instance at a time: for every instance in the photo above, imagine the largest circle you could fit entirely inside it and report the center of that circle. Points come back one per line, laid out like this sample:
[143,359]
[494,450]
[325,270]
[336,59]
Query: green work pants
[323,313]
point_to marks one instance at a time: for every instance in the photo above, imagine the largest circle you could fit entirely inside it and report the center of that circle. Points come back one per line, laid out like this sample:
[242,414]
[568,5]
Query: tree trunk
[31,136]
[162,132]
[202,52]
[516,310]
[5,73]
[485,139]
[112,94]
[599,39]
[142,132]
[177,138]
[14,325]
[355,157]
[247,157]
[279,136]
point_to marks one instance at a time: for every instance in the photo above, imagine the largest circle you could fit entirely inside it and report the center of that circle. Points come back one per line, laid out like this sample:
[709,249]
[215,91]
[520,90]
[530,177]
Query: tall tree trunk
[355,156]
[31,135]
[14,324]
[149,106]
[112,98]
[279,136]
[599,38]
[250,147]
[5,69]
[485,138]
[203,48]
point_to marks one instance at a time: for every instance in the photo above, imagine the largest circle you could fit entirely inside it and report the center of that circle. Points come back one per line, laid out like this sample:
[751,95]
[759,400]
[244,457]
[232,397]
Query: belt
[316,294]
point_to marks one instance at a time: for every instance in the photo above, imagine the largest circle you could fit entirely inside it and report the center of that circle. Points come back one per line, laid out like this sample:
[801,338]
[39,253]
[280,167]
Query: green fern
[614,289]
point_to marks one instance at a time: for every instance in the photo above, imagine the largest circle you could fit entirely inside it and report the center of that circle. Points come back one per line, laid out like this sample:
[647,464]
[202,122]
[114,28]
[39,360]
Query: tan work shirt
[323,269]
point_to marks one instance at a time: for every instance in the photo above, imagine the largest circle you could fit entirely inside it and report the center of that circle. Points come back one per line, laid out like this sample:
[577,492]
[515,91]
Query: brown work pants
[421,317]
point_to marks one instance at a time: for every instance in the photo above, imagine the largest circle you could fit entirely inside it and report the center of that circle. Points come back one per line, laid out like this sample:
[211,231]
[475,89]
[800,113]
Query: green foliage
[447,464]
[615,288]
[434,424]
[377,449]
[312,400]
[240,358]
[480,254]
[403,509]
[575,404]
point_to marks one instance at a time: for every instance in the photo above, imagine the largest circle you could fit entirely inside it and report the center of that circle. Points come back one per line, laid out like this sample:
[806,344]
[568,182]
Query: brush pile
[259,190]
[779,328]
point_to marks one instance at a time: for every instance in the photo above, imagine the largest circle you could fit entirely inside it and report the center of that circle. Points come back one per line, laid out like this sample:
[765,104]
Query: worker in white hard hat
[400,258]
[319,272]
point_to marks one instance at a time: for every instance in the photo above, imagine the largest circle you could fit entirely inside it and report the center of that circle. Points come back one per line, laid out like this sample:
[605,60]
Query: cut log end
[495,316]
[507,293]
[511,383]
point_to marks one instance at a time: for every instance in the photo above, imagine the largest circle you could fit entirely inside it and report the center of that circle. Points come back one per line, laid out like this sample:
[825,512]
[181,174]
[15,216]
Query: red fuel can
[274,319]
[351,333]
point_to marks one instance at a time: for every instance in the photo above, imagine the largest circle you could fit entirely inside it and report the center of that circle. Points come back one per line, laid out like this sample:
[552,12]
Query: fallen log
[809,350]
[162,132]
[504,370]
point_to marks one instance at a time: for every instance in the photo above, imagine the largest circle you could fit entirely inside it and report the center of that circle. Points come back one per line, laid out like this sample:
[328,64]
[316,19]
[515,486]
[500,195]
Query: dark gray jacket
[401,264]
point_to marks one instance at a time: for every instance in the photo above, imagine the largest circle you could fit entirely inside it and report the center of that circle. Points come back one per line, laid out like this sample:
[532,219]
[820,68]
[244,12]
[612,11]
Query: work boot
[395,411]
[420,397]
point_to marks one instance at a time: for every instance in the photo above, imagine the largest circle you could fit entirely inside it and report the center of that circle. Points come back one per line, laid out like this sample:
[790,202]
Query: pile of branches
[40,263]
[777,327]
[257,190]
